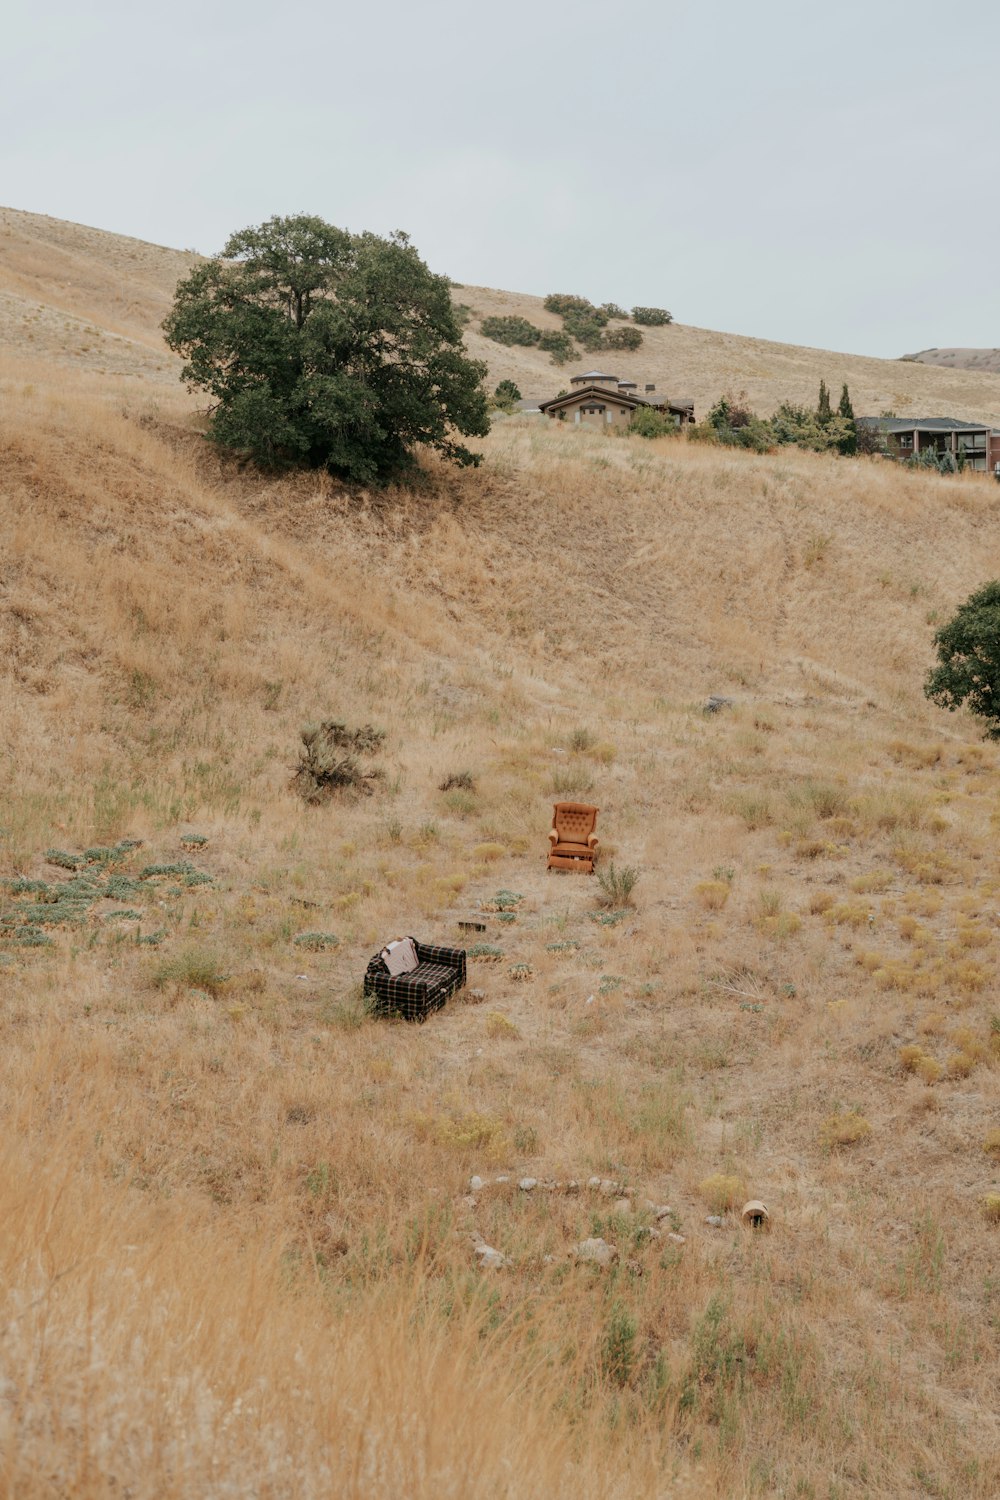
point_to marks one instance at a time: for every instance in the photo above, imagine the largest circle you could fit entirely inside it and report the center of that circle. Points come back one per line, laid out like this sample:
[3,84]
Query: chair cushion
[400,956]
[565,848]
[433,974]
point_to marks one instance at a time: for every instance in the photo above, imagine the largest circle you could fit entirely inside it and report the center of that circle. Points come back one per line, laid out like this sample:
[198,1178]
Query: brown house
[599,400]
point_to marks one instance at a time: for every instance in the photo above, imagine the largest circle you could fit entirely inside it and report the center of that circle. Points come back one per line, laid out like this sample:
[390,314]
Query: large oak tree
[329,349]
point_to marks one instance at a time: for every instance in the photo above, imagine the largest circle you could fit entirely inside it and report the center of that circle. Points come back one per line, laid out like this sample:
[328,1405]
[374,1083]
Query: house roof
[591,375]
[922,424]
[593,392]
[624,398]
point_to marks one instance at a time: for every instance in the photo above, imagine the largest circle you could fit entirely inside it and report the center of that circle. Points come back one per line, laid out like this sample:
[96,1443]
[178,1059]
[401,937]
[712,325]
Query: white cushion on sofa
[401,956]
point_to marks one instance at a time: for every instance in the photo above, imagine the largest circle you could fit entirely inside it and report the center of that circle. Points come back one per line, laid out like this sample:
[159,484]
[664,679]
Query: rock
[528,1184]
[572,1186]
[593,1182]
[715,702]
[676,1239]
[476,997]
[623,1206]
[716,1220]
[609,1189]
[476,1185]
[470,1202]
[663,1212]
[504,1177]
[596,1252]
[490,1259]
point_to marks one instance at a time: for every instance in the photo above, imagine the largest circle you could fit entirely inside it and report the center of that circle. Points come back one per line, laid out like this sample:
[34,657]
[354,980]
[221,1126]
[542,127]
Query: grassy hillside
[241,1236]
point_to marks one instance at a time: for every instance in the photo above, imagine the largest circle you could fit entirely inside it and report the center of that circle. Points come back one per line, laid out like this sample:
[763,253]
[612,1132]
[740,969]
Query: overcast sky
[825,175]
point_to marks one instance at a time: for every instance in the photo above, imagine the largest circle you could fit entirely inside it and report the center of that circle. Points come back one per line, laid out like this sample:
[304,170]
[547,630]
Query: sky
[820,175]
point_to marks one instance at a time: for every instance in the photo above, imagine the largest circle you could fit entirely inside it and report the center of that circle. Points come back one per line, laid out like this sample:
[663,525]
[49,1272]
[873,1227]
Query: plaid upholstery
[440,972]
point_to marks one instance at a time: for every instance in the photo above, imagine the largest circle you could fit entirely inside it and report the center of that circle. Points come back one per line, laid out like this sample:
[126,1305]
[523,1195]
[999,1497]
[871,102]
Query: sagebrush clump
[329,760]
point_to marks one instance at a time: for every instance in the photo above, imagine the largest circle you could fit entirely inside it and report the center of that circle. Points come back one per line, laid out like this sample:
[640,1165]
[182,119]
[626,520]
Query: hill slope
[197,1107]
[93,302]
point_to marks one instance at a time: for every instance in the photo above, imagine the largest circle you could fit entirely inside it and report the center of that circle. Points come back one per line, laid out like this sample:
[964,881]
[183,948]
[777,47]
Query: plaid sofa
[440,972]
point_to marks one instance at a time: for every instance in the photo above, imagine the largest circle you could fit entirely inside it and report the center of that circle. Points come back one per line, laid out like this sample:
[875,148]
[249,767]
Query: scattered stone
[470,1202]
[647,1234]
[476,997]
[572,1186]
[609,1189]
[677,1239]
[716,1220]
[715,702]
[663,1212]
[593,1182]
[528,1184]
[597,1252]
[623,1205]
[504,1177]
[476,1185]
[490,1259]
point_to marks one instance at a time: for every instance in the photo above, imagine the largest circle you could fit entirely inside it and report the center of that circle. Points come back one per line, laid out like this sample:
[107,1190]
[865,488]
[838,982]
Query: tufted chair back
[574,821]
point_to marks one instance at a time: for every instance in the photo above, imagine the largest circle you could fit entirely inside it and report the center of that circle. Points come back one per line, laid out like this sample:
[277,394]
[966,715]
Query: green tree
[510,331]
[823,409]
[652,317]
[328,349]
[968,649]
[647,422]
[849,443]
[506,396]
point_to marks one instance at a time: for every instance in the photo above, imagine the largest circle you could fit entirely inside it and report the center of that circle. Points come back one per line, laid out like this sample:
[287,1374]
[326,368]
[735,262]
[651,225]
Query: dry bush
[845,1129]
[722,1191]
[329,760]
[713,894]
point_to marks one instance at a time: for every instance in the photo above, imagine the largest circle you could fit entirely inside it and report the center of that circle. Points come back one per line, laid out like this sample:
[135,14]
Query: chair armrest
[433,954]
[553,836]
[593,840]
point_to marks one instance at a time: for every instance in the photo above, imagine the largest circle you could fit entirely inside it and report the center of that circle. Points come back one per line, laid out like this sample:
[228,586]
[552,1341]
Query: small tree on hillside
[506,396]
[824,411]
[849,443]
[968,649]
[329,349]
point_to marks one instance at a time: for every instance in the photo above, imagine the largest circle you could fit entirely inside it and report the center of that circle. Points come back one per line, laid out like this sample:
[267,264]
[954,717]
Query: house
[906,437]
[599,400]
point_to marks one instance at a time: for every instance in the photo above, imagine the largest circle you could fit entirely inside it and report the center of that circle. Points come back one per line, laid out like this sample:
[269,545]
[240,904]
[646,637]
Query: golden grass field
[238,1255]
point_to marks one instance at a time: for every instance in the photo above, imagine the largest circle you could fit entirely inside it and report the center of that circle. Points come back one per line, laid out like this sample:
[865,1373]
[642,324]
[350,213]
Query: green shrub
[510,331]
[316,942]
[559,345]
[622,338]
[652,317]
[562,303]
[328,760]
[612,310]
[649,423]
[616,885]
[506,396]
[968,649]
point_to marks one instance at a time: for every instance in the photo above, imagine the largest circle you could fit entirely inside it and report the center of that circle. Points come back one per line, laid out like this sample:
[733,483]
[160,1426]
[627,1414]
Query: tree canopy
[968,649]
[329,349]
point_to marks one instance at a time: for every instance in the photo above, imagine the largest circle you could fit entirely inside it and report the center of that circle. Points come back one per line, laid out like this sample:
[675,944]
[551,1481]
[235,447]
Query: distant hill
[985,360]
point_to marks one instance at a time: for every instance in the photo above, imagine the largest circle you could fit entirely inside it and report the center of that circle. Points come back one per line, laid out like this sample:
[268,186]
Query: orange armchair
[572,840]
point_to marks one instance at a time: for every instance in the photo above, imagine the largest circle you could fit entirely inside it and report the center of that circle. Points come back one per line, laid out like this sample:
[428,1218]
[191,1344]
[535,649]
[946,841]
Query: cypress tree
[823,409]
[848,445]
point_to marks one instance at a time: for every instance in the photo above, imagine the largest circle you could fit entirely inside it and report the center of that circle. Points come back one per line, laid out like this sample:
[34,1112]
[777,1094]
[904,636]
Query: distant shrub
[722,1191]
[462,312]
[559,345]
[562,303]
[195,968]
[458,780]
[328,760]
[316,942]
[612,310]
[652,317]
[622,338]
[713,894]
[649,423]
[616,885]
[506,396]
[845,1129]
[586,325]
[510,331]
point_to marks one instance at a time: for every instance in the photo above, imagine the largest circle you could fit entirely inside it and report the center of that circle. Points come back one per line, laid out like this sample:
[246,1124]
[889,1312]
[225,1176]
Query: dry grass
[200,1111]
